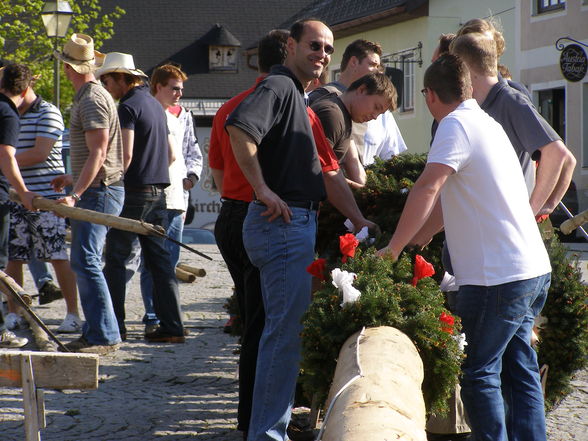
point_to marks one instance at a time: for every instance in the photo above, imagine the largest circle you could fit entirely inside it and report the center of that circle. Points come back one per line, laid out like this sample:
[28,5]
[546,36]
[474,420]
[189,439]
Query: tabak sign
[573,63]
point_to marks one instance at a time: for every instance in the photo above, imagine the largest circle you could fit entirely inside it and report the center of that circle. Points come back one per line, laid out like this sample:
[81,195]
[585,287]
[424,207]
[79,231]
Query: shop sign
[573,63]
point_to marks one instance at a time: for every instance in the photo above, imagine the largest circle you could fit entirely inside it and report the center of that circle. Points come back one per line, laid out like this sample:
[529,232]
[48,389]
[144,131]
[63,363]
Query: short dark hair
[360,49]
[130,80]
[16,78]
[272,49]
[444,42]
[162,75]
[449,78]
[377,84]
[297,29]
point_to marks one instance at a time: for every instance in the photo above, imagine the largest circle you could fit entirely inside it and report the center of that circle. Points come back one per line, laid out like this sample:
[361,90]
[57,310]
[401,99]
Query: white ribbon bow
[343,281]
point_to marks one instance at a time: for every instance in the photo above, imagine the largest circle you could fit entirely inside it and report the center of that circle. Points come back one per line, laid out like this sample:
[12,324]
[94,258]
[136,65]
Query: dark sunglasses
[316,46]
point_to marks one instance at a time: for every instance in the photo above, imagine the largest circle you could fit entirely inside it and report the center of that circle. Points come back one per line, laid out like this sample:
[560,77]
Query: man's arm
[39,152]
[97,142]
[10,169]
[128,139]
[553,177]
[354,170]
[432,226]
[340,195]
[245,150]
[419,207]
[217,177]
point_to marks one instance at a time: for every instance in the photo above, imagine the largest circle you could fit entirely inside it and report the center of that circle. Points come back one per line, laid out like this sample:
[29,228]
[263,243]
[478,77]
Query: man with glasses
[474,187]
[277,154]
[148,154]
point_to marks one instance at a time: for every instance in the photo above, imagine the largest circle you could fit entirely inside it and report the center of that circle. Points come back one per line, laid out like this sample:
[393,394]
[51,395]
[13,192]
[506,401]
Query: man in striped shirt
[40,235]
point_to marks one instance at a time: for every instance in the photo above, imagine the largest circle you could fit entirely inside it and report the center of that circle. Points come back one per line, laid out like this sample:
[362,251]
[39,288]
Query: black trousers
[228,231]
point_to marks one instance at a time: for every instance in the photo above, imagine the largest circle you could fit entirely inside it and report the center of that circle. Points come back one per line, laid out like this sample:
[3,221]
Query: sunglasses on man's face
[316,46]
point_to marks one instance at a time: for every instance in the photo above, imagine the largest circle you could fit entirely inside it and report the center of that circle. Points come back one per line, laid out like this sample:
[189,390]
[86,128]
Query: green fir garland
[563,340]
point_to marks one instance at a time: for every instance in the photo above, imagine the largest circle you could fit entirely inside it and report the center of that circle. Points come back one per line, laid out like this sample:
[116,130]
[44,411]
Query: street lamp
[56,17]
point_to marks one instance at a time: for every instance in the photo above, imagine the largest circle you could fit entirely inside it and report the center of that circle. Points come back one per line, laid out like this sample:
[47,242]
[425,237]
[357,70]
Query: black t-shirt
[141,112]
[9,129]
[275,116]
[336,122]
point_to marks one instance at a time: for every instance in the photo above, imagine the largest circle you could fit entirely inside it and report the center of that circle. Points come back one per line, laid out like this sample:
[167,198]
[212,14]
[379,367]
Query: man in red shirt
[236,194]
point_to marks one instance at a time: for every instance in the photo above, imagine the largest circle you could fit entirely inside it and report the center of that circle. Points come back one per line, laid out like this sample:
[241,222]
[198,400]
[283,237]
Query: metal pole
[56,78]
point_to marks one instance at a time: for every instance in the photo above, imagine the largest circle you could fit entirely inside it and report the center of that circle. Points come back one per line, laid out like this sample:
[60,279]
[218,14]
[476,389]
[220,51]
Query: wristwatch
[76,197]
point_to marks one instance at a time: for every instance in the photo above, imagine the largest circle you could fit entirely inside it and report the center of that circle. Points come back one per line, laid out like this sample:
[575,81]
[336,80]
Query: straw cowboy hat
[79,53]
[119,62]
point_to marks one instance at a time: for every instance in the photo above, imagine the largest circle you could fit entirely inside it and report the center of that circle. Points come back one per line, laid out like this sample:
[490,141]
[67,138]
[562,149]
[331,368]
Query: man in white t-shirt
[474,187]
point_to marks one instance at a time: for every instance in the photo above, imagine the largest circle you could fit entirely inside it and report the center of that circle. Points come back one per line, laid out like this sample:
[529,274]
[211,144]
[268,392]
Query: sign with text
[573,63]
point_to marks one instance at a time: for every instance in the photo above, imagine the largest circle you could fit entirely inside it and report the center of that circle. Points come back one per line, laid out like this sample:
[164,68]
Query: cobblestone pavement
[185,391]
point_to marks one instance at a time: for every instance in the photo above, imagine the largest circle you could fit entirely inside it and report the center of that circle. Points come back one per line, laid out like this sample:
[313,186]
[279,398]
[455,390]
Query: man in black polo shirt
[274,146]
[15,79]
[147,155]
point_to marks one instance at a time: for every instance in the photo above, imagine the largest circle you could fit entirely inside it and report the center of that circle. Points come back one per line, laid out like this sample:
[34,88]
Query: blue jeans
[150,207]
[40,272]
[87,243]
[282,252]
[174,230]
[501,387]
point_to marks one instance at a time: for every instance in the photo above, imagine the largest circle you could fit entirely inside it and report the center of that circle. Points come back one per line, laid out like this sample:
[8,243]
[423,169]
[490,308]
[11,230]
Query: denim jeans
[87,242]
[281,252]
[175,229]
[228,231]
[501,387]
[40,272]
[150,207]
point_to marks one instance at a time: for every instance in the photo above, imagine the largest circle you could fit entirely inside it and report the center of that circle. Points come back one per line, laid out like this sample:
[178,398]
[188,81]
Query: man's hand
[68,200]
[60,182]
[387,253]
[276,207]
[187,183]
[363,222]
[26,199]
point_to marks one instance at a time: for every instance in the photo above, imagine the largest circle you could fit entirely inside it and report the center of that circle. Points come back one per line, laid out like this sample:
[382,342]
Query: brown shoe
[160,336]
[82,345]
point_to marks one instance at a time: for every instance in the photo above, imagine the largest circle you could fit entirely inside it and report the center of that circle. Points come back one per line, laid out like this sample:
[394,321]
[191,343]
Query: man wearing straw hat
[97,170]
[148,154]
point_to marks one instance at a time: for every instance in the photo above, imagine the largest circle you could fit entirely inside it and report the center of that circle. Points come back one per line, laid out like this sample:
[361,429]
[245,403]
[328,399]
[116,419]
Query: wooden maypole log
[384,401]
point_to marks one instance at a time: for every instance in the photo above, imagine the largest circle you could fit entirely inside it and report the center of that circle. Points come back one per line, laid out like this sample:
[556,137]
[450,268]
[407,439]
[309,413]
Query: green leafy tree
[23,38]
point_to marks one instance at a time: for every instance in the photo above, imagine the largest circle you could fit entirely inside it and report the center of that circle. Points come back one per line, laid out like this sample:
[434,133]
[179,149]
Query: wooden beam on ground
[185,276]
[198,272]
[52,370]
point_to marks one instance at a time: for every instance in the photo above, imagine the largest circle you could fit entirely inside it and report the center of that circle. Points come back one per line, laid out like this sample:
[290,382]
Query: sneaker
[49,292]
[160,336]
[10,340]
[15,321]
[71,324]
[82,345]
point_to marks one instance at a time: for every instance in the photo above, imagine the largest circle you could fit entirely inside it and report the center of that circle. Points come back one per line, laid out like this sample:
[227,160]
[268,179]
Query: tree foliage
[23,38]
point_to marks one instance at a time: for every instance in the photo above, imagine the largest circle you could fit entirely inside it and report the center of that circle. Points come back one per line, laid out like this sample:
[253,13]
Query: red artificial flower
[447,322]
[422,269]
[347,244]
[317,268]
